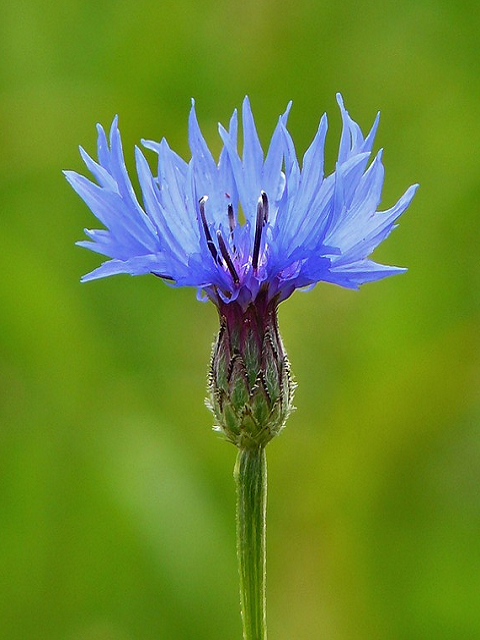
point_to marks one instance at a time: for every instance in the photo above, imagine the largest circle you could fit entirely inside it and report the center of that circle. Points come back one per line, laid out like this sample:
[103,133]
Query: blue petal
[110,209]
[101,174]
[273,180]
[103,152]
[252,151]
[138,265]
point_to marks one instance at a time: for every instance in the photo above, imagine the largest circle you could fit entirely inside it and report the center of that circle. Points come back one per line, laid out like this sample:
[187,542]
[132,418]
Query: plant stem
[251,480]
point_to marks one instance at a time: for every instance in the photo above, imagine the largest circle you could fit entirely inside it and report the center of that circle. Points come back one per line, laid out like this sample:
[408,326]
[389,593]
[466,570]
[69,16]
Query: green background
[116,498]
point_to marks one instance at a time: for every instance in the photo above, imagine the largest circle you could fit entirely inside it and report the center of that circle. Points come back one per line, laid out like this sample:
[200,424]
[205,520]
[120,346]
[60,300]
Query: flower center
[220,252]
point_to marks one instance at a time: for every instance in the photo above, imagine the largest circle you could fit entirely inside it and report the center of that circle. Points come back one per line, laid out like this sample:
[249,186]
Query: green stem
[251,480]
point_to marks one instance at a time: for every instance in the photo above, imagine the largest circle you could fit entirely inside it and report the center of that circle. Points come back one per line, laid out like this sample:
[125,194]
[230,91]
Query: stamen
[232,224]
[210,243]
[262,216]
[265,206]
[231,217]
[226,257]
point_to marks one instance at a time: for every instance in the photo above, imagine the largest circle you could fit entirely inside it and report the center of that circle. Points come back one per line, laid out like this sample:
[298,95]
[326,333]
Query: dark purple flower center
[220,251]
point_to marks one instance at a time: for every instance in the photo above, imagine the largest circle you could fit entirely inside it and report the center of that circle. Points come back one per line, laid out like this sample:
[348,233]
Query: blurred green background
[116,499]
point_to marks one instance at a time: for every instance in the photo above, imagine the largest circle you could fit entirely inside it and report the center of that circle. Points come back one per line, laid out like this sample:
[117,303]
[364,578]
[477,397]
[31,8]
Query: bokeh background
[116,499]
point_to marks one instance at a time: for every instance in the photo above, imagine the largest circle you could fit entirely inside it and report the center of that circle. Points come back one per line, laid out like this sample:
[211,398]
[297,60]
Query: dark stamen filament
[226,257]
[262,216]
[210,243]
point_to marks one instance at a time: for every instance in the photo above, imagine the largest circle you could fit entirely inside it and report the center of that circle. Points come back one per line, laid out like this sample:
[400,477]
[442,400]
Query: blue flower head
[249,224]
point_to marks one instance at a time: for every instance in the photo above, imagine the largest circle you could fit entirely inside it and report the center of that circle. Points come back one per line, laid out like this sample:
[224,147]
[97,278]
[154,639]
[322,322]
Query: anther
[231,216]
[232,224]
[263,195]
[208,237]
[262,216]
[226,257]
